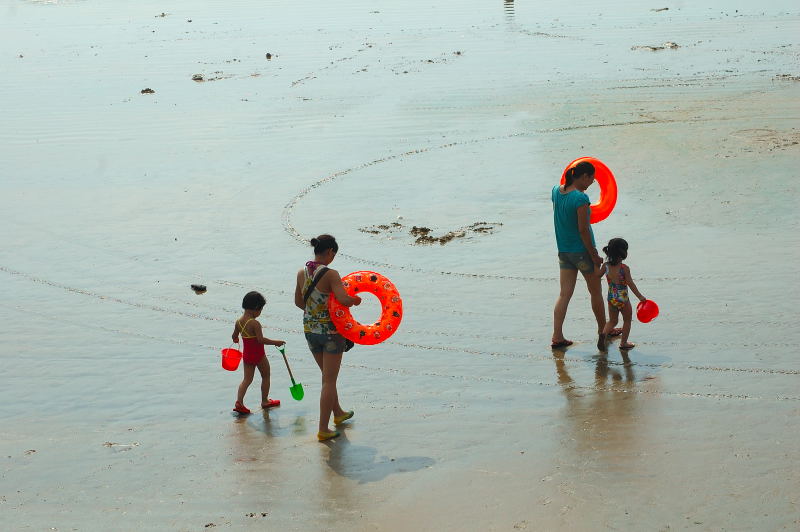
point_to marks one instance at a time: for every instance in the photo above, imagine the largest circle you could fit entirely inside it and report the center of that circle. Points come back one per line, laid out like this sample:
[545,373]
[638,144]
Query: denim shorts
[328,343]
[576,261]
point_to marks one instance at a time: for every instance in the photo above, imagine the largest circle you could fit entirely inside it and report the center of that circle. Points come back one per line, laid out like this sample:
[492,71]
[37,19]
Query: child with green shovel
[253,351]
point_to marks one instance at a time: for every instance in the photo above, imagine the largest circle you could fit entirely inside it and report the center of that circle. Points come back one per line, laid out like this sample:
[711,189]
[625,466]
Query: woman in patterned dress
[325,343]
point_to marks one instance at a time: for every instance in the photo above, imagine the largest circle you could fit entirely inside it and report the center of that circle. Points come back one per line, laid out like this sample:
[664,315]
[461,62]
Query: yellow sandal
[338,420]
[322,436]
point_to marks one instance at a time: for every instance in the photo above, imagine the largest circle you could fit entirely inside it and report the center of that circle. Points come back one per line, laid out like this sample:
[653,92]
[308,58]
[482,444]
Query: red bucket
[231,358]
[646,310]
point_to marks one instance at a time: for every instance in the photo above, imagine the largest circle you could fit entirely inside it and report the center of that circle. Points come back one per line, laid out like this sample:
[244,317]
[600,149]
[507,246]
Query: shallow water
[114,408]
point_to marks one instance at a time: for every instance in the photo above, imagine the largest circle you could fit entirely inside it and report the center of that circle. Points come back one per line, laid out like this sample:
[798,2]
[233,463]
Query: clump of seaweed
[669,45]
[424,235]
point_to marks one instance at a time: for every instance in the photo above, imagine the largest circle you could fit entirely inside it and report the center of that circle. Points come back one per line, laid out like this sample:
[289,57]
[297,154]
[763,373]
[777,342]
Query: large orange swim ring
[608,188]
[391,308]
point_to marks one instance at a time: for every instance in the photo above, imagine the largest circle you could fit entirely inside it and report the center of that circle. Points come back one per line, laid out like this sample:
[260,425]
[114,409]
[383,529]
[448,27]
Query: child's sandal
[271,403]
[239,407]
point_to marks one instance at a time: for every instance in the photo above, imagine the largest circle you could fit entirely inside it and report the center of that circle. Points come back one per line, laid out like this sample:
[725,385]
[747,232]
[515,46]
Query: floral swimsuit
[617,290]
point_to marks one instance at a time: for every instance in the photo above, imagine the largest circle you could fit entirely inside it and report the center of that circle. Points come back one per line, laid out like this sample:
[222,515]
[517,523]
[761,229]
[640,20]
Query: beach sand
[368,120]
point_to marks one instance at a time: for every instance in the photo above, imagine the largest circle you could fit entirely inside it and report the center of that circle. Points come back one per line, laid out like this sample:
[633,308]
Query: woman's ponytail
[569,177]
[583,167]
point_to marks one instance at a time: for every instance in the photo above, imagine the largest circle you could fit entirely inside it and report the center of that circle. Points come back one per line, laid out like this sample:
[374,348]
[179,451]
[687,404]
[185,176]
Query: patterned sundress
[316,318]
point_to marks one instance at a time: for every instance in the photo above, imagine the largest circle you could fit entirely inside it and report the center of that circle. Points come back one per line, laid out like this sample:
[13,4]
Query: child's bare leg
[249,371]
[627,313]
[602,341]
[263,368]
[613,316]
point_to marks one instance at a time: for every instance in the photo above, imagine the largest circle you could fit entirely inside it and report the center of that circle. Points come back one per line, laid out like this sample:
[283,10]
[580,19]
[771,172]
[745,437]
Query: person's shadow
[362,463]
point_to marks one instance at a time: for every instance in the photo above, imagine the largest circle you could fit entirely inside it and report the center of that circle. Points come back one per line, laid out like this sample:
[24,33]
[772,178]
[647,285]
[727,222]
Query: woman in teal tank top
[576,248]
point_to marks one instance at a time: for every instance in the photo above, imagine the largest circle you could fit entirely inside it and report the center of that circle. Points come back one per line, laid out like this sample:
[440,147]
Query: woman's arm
[586,236]
[260,338]
[632,285]
[337,288]
[298,292]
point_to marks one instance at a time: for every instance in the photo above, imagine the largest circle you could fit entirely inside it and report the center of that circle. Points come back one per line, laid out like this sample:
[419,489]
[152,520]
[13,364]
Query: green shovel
[296,389]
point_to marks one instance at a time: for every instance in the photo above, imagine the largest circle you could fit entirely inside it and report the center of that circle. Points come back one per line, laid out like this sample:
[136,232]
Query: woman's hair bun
[323,243]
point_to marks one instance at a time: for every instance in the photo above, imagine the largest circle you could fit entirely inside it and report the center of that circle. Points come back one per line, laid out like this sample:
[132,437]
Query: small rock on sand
[197,77]
[147,91]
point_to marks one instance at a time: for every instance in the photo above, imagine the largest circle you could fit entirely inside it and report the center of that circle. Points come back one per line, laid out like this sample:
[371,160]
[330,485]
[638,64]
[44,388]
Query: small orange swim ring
[391,308]
[608,188]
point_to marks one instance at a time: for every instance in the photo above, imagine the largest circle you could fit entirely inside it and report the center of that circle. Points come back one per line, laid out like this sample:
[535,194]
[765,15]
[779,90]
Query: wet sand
[115,412]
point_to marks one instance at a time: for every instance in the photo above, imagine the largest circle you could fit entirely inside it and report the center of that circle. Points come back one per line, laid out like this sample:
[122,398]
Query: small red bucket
[646,311]
[231,358]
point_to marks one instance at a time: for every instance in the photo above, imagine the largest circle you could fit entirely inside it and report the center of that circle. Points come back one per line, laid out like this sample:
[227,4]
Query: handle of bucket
[231,347]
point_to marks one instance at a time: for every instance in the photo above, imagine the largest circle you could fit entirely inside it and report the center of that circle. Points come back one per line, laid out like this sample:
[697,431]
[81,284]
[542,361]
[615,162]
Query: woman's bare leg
[596,293]
[328,395]
[337,408]
[567,280]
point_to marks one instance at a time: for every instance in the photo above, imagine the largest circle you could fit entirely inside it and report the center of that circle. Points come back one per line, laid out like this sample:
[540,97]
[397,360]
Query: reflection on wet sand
[508,7]
[248,436]
[603,422]
[253,435]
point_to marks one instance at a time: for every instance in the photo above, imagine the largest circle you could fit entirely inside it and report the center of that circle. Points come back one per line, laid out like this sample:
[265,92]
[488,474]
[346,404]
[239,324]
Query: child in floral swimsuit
[619,280]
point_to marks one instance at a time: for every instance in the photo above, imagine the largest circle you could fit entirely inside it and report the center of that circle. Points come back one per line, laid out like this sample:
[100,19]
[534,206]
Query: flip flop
[239,407]
[626,347]
[562,343]
[614,332]
[338,420]
[271,403]
[322,436]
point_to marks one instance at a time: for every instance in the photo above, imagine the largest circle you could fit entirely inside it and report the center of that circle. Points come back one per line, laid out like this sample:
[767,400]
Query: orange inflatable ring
[608,188]
[391,305]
